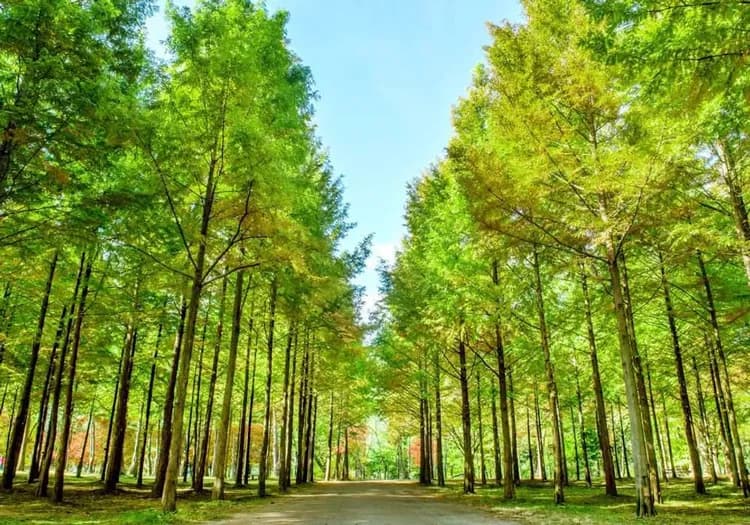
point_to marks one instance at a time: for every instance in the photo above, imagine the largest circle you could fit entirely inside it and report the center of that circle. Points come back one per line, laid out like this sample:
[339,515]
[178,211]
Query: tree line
[176,300]
[574,279]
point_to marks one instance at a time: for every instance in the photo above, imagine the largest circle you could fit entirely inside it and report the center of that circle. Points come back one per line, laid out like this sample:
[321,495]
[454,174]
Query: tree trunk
[438,425]
[121,415]
[44,400]
[263,469]
[601,413]
[657,432]
[21,416]
[482,464]
[539,437]
[707,438]
[62,450]
[79,468]
[669,437]
[640,381]
[248,467]
[733,427]
[465,417]
[509,455]
[575,445]
[557,444]
[57,388]
[165,439]
[239,480]
[149,399]
[513,433]
[200,467]
[290,431]
[222,440]
[528,439]
[330,440]
[584,447]
[198,389]
[644,493]
[285,431]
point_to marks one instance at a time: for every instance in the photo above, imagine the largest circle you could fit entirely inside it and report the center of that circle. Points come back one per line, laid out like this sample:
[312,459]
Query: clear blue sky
[387,73]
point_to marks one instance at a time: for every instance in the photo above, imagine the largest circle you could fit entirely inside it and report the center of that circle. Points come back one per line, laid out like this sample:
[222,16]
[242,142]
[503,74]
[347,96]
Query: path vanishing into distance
[364,503]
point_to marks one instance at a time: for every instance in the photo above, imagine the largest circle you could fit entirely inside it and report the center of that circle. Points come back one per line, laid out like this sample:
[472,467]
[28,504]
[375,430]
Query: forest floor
[372,503]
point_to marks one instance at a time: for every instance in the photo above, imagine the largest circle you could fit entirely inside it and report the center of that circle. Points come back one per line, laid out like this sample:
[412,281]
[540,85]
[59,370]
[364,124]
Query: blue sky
[387,73]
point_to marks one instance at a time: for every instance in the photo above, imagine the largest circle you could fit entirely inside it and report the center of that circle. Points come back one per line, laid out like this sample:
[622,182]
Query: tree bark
[438,425]
[149,399]
[645,496]
[285,430]
[222,439]
[263,469]
[165,439]
[200,467]
[557,444]
[330,440]
[465,416]
[79,468]
[62,450]
[601,412]
[21,416]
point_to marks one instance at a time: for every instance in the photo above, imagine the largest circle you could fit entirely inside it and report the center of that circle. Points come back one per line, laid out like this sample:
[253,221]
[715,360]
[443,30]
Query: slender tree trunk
[584,447]
[62,450]
[44,401]
[220,457]
[601,413]
[657,432]
[239,480]
[200,468]
[263,470]
[330,440]
[482,464]
[198,390]
[166,434]
[616,454]
[733,428]
[640,381]
[645,496]
[465,417]
[575,445]
[539,437]
[624,445]
[57,389]
[21,416]
[707,438]
[149,399]
[248,467]
[290,430]
[669,437]
[285,437]
[509,455]
[530,447]
[121,415]
[438,424]
[513,432]
[495,439]
[79,468]
[557,443]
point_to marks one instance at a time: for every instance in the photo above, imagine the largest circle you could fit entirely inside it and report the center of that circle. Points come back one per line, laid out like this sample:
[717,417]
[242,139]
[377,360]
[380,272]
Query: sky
[387,74]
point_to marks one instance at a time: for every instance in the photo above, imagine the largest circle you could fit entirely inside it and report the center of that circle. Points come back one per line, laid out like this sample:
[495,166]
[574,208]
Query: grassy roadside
[589,506]
[85,503]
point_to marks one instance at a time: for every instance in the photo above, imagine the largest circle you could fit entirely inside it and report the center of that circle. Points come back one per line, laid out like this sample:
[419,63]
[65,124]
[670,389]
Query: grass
[85,503]
[588,506]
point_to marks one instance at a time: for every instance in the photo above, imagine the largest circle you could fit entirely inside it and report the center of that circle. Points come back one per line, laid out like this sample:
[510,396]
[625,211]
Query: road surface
[363,503]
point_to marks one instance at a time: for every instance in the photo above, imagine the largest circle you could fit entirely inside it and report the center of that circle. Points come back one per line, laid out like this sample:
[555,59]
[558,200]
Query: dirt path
[364,503]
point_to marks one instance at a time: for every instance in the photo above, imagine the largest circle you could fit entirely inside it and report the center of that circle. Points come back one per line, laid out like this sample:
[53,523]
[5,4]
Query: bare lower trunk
[62,449]
[222,438]
[19,425]
[465,418]
[601,413]
[263,470]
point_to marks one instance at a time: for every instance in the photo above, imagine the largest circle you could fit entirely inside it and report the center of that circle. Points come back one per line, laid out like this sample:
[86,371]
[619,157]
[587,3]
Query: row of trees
[146,209]
[584,241]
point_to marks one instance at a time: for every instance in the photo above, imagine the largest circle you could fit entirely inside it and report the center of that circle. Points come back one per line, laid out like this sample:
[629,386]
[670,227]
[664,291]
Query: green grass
[533,504]
[85,503]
